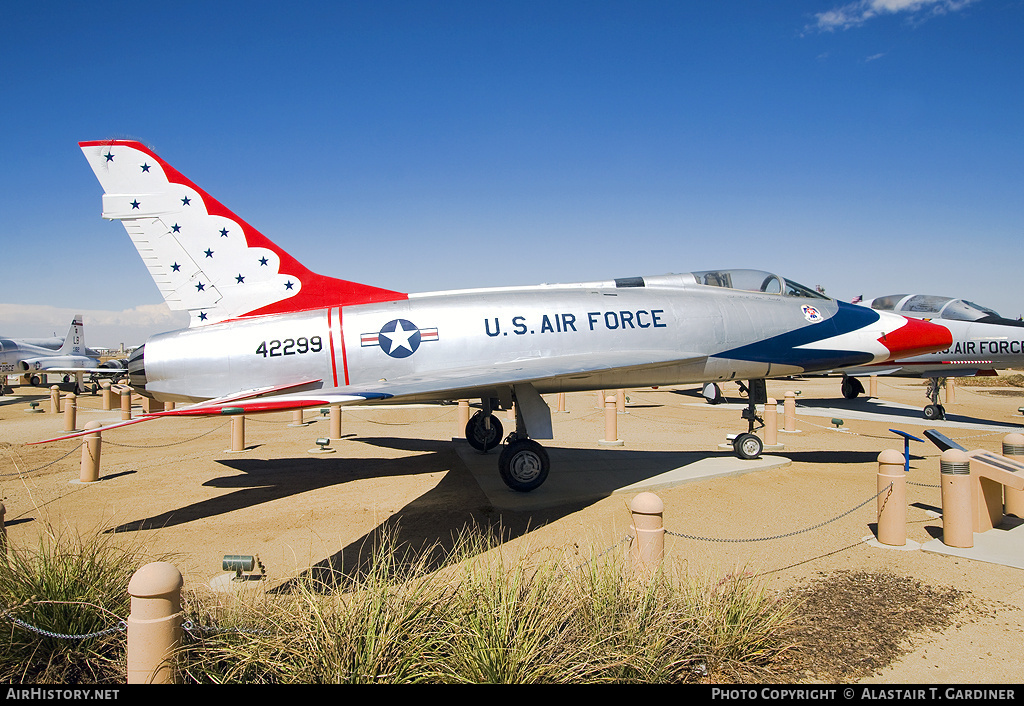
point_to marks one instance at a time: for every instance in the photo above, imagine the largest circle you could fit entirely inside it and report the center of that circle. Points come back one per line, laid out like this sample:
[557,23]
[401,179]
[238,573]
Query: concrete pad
[1003,544]
[581,475]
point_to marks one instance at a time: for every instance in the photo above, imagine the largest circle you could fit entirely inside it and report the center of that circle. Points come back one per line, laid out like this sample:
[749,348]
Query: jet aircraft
[983,341]
[268,334]
[23,357]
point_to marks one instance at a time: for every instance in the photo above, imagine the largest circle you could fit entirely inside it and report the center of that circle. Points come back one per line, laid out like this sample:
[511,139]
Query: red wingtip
[916,337]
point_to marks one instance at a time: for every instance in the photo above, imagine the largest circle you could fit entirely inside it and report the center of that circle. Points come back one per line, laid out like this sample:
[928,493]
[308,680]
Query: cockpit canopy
[933,307]
[755,281]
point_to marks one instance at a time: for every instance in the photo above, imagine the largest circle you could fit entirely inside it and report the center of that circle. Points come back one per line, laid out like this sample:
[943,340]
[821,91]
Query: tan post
[168,406]
[154,625]
[107,396]
[70,411]
[463,417]
[238,433]
[297,420]
[950,390]
[620,401]
[335,421]
[789,410]
[561,401]
[892,499]
[55,399]
[1013,499]
[90,468]
[611,422]
[873,386]
[126,403]
[601,394]
[957,528]
[647,548]
[771,422]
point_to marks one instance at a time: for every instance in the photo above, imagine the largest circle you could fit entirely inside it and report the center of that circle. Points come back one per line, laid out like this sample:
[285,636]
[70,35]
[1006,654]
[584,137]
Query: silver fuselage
[667,332]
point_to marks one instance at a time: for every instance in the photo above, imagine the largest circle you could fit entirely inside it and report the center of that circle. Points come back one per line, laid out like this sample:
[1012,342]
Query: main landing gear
[935,410]
[523,463]
[851,387]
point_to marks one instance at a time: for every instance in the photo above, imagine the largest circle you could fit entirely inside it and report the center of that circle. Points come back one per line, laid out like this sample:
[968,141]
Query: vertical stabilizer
[202,257]
[74,342]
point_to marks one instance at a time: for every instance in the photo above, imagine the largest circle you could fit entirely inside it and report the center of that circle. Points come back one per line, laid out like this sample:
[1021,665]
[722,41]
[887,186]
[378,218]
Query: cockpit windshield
[755,281]
[934,307]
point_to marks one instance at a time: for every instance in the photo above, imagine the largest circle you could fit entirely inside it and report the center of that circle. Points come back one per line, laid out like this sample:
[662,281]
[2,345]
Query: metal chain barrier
[787,534]
[160,446]
[56,460]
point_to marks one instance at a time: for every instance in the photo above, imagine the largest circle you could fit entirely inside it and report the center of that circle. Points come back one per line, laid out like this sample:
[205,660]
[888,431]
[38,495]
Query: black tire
[934,411]
[523,465]
[851,388]
[713,393]
[748,446]
[479,436]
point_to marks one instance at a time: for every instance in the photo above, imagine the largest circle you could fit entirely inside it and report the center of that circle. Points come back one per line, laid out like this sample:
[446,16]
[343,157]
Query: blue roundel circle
[399,338]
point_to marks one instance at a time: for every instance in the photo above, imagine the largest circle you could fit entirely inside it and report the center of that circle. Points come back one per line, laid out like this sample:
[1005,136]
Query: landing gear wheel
[934,411]
[523,465]
[747,446]
[479,436]
[713,393]
[851,388]
[35,380]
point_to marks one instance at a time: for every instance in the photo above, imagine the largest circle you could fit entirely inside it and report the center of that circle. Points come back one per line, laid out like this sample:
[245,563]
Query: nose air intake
[137,369]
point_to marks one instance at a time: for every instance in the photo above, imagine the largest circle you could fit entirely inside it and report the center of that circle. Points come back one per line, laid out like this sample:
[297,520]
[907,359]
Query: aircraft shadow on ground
[880,408]
[432,523]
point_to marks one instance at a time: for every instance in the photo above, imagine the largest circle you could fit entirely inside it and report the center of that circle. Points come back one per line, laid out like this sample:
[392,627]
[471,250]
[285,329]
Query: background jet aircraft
[268,334]
[983,341]
[70,358]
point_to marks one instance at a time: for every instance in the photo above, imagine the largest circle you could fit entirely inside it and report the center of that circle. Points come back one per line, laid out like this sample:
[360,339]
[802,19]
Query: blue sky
[870,147]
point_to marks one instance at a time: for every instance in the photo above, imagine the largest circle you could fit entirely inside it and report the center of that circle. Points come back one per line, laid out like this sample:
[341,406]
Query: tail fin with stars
[204,258]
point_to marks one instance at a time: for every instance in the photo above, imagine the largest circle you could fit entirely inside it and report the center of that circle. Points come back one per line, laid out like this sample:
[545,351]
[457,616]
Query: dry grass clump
[1012,380]
[485,618]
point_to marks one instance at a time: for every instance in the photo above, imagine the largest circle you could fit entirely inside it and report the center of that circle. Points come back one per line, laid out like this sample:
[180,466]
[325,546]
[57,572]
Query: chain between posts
[787,534]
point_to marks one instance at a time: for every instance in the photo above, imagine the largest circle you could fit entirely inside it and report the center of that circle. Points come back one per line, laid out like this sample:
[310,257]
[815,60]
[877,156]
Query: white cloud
[102,328]
[857,13]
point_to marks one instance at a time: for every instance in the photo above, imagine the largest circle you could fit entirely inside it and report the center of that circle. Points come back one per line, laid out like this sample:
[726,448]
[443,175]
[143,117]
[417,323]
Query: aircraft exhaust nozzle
[137,369]
[916,337]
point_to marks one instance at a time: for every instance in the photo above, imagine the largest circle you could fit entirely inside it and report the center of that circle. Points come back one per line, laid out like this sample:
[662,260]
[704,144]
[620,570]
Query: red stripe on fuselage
[330,336]
[344,354]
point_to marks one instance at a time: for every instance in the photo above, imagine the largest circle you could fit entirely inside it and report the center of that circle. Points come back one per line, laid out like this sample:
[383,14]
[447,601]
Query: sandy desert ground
[172,486]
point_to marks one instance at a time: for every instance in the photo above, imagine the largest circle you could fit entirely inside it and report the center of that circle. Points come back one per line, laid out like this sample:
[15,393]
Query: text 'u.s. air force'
[626,320]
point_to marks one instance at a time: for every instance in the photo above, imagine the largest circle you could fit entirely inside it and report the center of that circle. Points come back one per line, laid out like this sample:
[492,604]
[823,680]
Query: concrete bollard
[237,433]
[950,390]
[561,402]
[647,548]
[771,422]
[620,401]
[873,386]
[463,417]
[335,422]
[70,411]
[154,625]
[892,502]
[611,422]
[89,471]
[107,396]
[957,524]
[55,399]
[126,403]
[789,410]
[1013,499]
[297,420]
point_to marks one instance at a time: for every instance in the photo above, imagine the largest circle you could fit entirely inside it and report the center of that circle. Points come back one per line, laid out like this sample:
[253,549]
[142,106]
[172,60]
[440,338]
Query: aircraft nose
[915,337]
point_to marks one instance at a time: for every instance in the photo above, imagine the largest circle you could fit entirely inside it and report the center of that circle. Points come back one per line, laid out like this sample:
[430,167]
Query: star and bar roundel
[398,338]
